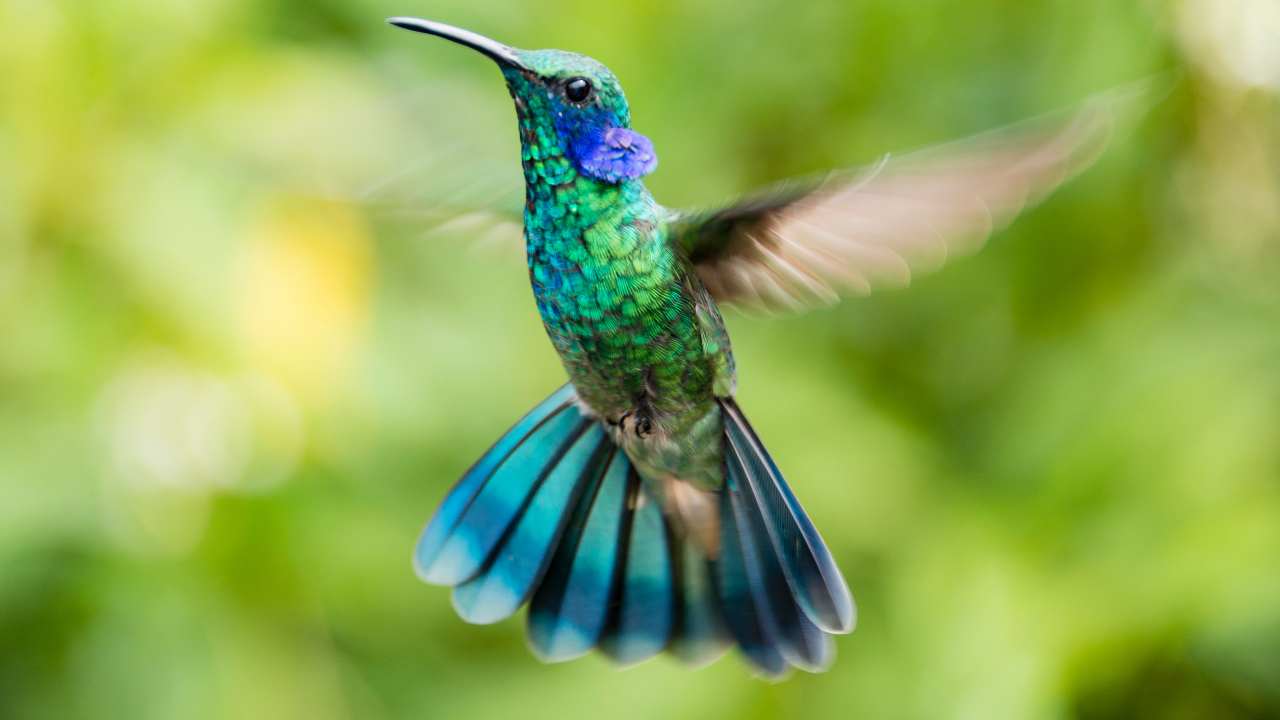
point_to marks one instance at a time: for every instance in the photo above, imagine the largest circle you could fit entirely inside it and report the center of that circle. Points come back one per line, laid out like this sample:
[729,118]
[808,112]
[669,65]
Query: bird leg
[638,422]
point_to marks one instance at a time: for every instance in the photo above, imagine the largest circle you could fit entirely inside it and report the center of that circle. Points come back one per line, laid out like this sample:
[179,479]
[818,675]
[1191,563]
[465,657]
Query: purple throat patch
[615,154]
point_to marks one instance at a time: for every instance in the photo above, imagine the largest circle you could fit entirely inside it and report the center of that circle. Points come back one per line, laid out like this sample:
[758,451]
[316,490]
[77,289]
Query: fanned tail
[555,515]
[782,594]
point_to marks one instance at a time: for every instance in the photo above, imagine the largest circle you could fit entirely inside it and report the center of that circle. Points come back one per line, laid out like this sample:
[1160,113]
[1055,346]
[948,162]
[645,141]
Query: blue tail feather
[739,583]
[509,578]
[503,496]
[810,570]
[644,611]
[801,642]
[570,609]
[446,519]
[550,592]
[555,515]
[700,635]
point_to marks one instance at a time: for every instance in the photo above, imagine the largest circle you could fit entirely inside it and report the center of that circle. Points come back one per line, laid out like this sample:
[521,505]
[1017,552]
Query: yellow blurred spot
[306,294]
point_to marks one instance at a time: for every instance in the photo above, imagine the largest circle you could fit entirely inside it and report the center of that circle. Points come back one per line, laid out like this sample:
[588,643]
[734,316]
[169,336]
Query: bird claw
[641,424]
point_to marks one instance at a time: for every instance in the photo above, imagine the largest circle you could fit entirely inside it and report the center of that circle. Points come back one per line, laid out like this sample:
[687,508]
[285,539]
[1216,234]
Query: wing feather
[799,244]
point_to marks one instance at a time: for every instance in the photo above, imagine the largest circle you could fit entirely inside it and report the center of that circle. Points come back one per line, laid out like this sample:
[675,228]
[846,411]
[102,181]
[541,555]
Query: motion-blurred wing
[432,171]
[799,244]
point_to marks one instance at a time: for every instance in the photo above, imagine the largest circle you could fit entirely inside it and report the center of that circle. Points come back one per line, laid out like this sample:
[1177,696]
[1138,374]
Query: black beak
[500,53]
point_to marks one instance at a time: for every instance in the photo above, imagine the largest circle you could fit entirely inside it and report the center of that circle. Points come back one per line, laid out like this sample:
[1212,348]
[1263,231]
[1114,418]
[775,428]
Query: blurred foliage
[237,374]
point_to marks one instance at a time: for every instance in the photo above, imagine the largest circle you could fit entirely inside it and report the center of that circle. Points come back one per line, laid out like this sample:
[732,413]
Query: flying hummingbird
[635,510]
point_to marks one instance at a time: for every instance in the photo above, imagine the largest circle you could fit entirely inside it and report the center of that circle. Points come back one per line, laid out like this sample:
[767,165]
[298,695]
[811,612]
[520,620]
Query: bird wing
[801,243]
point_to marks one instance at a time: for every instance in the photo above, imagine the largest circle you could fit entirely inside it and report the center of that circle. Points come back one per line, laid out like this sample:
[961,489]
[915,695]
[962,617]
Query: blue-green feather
[556,511]
[737,579]
[645,607]
[700,635]
[446,518]
[801,642]
[501,498]
[519,562]
[570,609]
[810,570]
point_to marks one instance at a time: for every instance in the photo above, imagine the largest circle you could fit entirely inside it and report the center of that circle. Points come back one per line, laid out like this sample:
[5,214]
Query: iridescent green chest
[614,300]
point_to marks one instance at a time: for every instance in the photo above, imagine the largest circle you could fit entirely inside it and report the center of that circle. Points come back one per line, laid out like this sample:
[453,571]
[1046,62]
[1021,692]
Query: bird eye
[578,89]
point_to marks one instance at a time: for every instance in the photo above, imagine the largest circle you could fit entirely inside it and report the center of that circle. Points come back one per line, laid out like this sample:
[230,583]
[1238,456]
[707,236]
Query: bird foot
[636,422]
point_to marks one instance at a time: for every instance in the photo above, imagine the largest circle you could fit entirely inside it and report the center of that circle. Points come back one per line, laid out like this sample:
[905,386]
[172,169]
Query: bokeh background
[241,359]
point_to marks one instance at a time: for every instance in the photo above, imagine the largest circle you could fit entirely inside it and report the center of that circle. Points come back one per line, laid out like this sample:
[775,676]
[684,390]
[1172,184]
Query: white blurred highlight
[168,426]
[174,436]
[1237,41]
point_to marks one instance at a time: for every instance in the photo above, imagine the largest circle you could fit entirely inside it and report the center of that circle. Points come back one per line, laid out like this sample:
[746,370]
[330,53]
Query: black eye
[578,89]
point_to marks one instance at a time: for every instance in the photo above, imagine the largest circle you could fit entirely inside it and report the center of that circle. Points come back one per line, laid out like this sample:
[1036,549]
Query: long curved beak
[500,53]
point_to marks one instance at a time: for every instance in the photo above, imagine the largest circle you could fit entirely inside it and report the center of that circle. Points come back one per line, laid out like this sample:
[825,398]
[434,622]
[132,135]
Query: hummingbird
[635,510]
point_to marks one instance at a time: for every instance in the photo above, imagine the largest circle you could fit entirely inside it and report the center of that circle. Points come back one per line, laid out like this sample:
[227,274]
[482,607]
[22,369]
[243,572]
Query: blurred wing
[799,244]
[431,170]
[445,192]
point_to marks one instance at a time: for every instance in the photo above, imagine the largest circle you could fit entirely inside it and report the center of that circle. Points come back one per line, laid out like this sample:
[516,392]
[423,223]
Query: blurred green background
[240,363]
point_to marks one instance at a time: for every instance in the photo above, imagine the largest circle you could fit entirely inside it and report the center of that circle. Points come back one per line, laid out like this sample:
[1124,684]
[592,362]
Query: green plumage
[642,342]
[562,514]
[635,509]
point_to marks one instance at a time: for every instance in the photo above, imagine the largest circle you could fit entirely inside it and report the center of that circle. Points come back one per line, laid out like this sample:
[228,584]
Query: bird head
[568,104]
